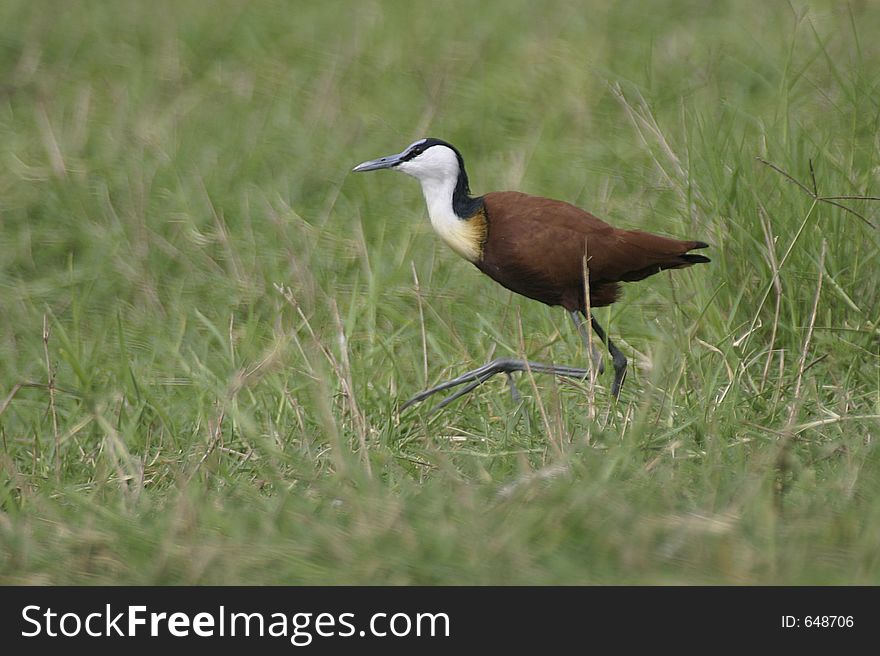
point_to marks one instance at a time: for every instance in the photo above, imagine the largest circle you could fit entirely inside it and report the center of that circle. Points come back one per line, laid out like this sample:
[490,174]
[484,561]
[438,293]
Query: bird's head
[431,161]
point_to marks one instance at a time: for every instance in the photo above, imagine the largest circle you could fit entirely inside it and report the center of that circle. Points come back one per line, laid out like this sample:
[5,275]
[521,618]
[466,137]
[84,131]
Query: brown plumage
[535,246]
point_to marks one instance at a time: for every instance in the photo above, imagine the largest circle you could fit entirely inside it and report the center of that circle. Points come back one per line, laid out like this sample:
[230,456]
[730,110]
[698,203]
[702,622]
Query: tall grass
[207,325]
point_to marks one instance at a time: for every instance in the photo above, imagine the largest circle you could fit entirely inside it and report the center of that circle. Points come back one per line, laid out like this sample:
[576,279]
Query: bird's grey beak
[381,163]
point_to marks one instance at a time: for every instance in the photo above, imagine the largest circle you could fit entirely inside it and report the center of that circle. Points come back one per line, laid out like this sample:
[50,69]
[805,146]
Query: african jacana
[534,246]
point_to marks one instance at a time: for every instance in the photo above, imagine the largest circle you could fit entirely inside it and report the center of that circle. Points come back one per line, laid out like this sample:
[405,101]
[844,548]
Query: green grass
[232,319]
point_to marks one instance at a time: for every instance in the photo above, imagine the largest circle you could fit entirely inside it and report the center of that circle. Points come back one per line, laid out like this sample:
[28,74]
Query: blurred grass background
[207,324]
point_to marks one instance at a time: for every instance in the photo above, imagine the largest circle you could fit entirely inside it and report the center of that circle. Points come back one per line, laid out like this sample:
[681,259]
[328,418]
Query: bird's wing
[549,238]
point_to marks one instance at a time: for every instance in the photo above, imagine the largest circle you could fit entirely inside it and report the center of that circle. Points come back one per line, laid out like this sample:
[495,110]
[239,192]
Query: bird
[544,249]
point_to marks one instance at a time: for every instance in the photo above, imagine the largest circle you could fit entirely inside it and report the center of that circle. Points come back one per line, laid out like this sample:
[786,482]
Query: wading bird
[541,248]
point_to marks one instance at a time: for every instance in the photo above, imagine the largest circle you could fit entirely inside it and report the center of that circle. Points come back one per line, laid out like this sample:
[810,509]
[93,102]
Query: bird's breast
[464,236]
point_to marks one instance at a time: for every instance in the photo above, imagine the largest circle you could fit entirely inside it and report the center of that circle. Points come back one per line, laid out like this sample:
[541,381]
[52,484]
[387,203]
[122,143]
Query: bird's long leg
[592,349]
[617,358]
[479,376]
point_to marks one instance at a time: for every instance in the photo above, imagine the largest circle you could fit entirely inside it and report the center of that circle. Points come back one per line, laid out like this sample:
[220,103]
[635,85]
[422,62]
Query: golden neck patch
[443,195]
[465,236]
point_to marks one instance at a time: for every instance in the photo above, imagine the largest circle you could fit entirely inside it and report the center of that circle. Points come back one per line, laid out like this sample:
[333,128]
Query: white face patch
[437,170]
[437,162]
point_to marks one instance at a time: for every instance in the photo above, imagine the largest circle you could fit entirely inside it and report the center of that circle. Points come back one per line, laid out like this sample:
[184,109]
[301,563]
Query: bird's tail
[666,253]
[691,259]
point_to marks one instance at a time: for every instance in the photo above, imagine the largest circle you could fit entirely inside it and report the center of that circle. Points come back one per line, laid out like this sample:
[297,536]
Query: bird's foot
[514,393]
[476,377]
